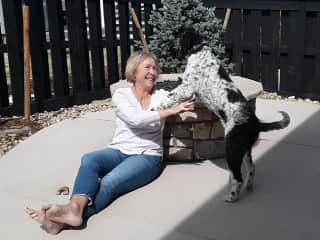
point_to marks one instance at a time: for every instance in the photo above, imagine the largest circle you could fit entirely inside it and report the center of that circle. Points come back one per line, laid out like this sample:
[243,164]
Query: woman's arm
[128,113]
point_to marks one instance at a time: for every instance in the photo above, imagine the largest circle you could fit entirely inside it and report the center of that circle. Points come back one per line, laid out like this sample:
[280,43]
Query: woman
[133,158]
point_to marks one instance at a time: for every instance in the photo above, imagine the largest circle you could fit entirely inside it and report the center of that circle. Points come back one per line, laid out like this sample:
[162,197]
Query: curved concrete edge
[250,89]
[120,84]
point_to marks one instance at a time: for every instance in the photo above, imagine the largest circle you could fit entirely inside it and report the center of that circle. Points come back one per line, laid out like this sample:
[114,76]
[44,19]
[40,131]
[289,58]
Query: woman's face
[146,73]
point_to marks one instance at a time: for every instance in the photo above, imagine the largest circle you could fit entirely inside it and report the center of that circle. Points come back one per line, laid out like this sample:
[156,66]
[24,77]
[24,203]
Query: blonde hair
[134,61]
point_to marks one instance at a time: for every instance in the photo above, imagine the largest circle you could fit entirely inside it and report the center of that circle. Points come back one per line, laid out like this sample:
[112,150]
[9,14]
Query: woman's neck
[140,92]
[143,96]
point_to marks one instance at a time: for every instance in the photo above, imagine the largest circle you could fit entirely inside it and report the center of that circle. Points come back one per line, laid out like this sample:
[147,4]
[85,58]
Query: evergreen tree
[171,19]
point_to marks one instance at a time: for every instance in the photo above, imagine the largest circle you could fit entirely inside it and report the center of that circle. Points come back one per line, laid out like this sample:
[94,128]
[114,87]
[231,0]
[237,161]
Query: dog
[206,78]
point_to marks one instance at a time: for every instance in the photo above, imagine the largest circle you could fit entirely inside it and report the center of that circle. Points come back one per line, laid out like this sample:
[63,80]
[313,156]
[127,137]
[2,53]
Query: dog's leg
[235,190]
[234,156]
[250,170]
[177,95]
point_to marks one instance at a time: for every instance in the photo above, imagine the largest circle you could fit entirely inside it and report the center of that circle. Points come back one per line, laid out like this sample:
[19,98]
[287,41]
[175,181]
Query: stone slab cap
[249,88]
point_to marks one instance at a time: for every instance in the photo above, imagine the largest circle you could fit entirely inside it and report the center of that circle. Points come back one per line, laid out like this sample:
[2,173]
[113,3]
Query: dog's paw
[234,193]
[249,186]
[231,197]
[250,180]
[156,108]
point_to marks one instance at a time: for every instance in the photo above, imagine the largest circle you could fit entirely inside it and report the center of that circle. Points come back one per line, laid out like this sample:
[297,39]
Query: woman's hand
[184,106]
[179,108]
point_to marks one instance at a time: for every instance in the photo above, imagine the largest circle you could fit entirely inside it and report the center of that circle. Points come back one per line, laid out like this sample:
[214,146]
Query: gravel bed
[14,130]
[275,96]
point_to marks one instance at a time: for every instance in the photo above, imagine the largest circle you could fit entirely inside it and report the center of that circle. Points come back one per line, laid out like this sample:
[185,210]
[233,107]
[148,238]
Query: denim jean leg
[95,165]
[132,173]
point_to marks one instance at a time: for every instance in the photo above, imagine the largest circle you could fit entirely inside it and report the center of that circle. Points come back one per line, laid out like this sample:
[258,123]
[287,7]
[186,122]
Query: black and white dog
[206,78]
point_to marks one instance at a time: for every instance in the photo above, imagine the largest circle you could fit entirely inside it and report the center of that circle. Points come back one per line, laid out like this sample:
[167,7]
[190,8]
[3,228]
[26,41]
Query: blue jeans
[105,174]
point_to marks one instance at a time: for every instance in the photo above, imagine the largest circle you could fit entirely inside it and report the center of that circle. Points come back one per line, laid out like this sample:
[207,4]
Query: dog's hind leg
[235,190]
[250,170]
[234,156]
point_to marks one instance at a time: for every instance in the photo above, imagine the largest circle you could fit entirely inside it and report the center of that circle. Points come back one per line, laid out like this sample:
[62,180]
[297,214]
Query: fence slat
[316,93]
[95,44]
[78,51]
[124,34]
[13,23]
[147,26]
[58,52]
[110,28]
[136,5]
[292,5]
[308,83]
[291,62]
[39,55]
[233,34]
[220,13]
[270,27]
[4,95]
[299,55]
[251,36]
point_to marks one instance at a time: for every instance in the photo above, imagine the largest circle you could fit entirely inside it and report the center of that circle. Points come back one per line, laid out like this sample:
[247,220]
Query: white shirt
[138,131]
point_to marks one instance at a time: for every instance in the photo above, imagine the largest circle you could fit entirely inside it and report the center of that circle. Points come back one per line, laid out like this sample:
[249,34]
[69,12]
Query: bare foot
[70,213]
[46,224]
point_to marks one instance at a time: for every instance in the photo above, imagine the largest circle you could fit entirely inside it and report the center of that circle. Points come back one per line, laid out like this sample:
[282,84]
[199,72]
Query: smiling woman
[131,160]
[135,60]
[142,70]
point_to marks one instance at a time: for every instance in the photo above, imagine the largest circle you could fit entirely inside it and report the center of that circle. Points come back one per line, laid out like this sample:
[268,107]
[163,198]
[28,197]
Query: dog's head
[190,42]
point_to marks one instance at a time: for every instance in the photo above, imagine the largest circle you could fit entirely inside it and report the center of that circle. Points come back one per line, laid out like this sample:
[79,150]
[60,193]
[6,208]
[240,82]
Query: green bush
[175,16]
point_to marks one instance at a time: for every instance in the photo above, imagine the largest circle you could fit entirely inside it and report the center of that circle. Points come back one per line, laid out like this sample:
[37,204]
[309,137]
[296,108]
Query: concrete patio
[185,202]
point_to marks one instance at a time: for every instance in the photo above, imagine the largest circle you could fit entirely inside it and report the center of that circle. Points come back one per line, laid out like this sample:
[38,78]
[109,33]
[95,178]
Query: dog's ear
[189,40]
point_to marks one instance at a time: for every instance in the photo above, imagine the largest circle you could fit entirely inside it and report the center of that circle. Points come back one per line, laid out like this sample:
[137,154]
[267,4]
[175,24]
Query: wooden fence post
[26,57]
[226,18]
[138,26]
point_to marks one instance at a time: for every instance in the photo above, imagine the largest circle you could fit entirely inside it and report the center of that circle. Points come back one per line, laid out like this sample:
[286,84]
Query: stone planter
[199,135]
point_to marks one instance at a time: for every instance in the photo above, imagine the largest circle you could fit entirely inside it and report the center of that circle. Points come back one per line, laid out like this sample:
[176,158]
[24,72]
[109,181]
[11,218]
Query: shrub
[175,16]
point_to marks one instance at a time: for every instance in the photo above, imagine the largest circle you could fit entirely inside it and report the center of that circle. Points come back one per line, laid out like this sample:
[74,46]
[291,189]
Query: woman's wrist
[167,112]
[181,107]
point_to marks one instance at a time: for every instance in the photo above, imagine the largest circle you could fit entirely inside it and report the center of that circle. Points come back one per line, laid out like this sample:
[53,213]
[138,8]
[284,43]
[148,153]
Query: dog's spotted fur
[206,78]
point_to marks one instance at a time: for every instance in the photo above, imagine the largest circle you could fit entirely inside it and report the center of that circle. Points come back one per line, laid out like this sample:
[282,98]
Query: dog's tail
[284,122]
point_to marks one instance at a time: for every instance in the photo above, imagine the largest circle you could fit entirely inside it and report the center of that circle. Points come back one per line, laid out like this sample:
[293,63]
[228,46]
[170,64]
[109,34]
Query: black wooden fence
[76,53]
[276,42]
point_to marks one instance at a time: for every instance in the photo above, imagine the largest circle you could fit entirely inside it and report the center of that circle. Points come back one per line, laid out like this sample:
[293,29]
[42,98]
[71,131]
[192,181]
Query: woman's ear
[134,75]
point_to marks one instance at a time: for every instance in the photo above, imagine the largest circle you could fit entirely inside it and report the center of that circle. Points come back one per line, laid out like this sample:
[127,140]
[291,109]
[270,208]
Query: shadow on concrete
[284,203]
